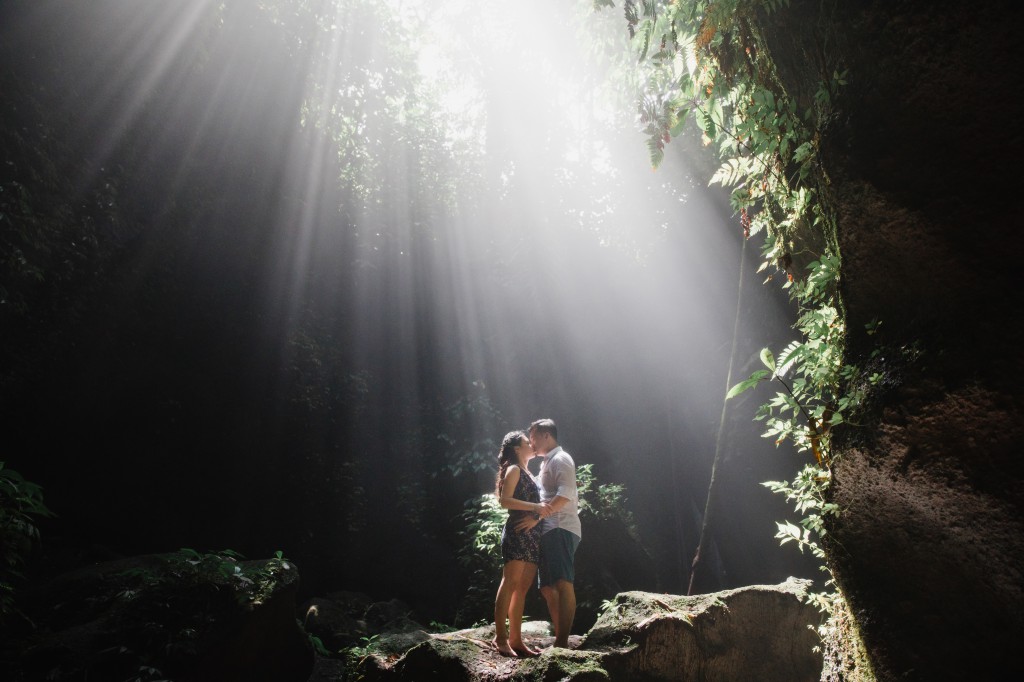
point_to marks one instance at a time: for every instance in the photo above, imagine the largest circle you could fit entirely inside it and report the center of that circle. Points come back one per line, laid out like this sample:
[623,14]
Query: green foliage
[606,605]
[251,583]
[47,238]
[708,59]
[480,554]
[484,519]
[807,492]
[469,423]
[167,610]
[602,501]
[21,504]
[354,655]
[318,645]
[373,106]
[821,391]
[713,62]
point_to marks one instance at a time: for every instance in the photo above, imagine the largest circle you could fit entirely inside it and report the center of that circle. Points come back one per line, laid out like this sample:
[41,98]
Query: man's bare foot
[503,648]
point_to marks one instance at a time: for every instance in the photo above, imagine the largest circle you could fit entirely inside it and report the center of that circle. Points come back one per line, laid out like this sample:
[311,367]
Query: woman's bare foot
[503,648]
[522,649]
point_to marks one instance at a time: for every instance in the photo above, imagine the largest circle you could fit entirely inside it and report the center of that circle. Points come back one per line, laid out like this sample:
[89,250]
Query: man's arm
[565,485]
[527,523]
[556,503]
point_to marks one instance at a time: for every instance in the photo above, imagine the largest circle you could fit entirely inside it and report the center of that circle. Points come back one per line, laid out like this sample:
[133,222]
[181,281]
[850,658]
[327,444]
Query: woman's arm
[508,489]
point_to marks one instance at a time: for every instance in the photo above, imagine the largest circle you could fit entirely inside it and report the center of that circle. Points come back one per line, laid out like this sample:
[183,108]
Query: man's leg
[565,603]
[558,548]
[550,594]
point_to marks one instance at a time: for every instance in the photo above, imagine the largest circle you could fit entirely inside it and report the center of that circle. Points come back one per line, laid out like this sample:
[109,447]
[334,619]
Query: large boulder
[762,632]
[467,656]
[759,632]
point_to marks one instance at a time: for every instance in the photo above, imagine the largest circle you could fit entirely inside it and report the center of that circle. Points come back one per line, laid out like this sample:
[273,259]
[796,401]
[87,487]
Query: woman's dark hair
[507,455]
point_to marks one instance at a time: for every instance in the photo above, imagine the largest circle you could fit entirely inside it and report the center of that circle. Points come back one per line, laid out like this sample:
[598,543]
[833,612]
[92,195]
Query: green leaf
[706,124]
[755,378]
[768,359]
[801,153]
[790,355]
[680,123]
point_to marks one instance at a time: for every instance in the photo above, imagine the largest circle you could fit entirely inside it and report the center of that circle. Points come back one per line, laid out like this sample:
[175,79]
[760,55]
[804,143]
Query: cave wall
[920,164]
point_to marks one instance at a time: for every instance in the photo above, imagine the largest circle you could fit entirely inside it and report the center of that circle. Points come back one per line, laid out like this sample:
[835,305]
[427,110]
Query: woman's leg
[516,606]
[511,574]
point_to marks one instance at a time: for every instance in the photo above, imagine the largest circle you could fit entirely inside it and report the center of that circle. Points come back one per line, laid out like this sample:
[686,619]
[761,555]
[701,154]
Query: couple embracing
[540,536]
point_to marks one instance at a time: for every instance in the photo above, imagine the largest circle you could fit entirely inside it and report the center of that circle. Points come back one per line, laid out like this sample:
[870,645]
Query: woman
[520,550]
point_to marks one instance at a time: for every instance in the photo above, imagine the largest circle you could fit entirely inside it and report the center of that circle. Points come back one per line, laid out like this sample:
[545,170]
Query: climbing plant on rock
[708,61]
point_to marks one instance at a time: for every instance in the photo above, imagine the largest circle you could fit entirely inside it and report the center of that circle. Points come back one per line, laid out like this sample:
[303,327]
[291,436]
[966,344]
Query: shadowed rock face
[759,632]
[930,543]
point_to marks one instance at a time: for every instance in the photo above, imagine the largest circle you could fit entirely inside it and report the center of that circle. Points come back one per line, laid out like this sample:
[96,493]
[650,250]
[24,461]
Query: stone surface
[759,632]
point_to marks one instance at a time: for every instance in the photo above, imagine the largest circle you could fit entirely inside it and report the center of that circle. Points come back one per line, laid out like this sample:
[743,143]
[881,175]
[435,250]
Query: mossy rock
[760,632]
[563,665]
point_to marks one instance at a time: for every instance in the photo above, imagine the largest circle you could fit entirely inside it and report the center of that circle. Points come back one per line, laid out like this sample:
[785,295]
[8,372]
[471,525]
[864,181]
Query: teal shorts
[557,557]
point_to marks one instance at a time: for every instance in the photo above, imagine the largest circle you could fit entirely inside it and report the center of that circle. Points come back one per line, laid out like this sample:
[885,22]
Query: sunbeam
[359,241]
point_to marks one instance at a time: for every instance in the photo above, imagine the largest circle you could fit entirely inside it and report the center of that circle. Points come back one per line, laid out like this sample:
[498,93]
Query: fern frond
[789,355]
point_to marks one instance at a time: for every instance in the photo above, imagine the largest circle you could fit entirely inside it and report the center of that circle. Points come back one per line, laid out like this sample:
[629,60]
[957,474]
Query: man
[560,528]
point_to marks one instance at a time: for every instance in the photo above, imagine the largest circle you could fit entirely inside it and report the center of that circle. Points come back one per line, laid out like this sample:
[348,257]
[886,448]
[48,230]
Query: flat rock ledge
[761,632]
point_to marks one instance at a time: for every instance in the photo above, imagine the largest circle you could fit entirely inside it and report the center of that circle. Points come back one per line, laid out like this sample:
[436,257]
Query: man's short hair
[545,426]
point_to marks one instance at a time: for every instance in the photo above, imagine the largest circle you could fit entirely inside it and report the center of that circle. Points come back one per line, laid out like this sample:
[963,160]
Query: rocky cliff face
[921,156]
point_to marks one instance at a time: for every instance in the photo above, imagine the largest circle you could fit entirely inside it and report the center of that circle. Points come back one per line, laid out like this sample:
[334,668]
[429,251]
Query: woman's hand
[545,510]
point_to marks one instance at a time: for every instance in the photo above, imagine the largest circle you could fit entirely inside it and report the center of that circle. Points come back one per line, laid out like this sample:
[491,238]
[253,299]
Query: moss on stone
[563,664]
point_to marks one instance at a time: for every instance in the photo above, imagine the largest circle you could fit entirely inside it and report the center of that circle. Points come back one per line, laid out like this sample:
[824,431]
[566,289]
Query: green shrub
[21,503]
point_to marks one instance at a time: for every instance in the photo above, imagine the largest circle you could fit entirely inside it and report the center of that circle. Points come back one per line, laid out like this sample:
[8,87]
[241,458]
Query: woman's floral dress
[521,545]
